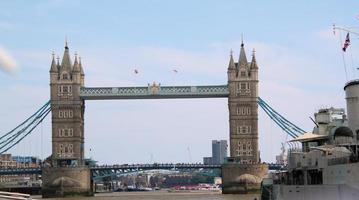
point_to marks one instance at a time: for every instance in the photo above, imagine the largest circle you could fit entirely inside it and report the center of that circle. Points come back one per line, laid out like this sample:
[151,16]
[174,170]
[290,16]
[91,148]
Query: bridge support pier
[238,178]
[66,181]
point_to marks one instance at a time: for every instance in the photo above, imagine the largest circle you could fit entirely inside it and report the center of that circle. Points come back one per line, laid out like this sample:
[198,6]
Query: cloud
[7,63]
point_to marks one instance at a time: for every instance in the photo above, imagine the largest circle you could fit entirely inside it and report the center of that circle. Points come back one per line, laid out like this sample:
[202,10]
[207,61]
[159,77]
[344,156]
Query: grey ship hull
[340,182]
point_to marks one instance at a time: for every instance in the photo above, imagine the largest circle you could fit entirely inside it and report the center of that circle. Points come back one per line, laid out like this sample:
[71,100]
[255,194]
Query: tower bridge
[68,95]
[66,172]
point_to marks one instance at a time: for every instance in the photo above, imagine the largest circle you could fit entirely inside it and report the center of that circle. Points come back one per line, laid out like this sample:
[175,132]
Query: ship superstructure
[324,163]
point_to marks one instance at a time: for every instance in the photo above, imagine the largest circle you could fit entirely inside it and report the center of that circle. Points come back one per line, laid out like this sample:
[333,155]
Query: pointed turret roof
[242,62]
[231,64]
[76,65]
[81,69]
[254,61]
[58,62]
[53,64]
[66,62]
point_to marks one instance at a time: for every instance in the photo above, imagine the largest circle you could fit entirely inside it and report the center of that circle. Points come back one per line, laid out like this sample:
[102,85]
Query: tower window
[65,150]
[243,73]
[65,76]
[244,129]
[71,114]
[66,132]
[243,86]
[243,110]
[71,149]
[66,114]
[65,90]
[238,150]
[70,88]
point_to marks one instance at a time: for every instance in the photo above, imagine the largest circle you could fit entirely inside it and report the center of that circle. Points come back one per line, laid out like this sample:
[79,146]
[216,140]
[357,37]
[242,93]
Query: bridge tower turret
[243,108]
[67,173]
[244,157]
[67,113]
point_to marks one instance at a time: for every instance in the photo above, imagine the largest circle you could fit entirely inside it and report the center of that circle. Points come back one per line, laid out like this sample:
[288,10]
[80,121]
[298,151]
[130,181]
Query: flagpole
[345,66]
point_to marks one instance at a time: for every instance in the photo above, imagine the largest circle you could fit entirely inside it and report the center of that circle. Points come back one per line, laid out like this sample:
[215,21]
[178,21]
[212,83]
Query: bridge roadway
[126,167]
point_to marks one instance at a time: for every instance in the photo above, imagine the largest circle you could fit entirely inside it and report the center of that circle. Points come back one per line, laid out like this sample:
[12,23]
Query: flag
[346,43]
[136,71]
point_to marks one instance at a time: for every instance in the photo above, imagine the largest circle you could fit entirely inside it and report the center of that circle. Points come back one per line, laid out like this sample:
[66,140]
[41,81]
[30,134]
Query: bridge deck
[13,171]
[154,92]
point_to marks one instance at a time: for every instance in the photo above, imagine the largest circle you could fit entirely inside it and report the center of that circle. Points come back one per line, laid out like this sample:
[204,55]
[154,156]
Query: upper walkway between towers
[154,91]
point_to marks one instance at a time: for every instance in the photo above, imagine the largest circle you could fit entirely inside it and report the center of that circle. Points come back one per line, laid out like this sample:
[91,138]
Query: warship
[324,163]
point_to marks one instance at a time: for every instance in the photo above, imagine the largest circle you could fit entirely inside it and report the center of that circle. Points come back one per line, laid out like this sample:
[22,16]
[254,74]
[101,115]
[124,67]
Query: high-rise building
[207,160]
[219,151]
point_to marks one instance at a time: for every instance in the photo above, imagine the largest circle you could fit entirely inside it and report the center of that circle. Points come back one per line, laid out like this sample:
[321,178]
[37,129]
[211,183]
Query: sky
[300,62]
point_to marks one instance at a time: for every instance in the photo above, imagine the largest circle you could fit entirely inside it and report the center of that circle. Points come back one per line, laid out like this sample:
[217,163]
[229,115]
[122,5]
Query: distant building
[219,153]
[27,161]
[8,161]
[207,160]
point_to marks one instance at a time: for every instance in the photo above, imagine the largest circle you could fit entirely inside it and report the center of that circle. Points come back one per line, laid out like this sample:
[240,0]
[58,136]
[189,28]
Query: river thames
[165,195]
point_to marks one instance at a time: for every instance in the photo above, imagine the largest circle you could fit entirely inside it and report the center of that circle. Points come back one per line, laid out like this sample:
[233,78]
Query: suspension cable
[10,139]
[287,126]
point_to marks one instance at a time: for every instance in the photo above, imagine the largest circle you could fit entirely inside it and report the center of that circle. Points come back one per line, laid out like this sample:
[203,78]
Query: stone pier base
[66,181]
[240,178]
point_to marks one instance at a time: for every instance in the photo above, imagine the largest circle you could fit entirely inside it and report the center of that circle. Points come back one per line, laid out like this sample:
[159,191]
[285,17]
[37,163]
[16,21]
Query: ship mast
[345,45]
[344,29]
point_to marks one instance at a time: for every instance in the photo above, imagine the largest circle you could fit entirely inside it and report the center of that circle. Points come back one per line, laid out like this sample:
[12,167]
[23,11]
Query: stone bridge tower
[67,173]
[243,165]
[243,108]
[67,112]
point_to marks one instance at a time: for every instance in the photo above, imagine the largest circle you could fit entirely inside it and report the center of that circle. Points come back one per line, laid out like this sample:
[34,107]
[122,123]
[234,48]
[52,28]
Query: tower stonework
[67,173]
[67,113]
[243,109]
[243,166]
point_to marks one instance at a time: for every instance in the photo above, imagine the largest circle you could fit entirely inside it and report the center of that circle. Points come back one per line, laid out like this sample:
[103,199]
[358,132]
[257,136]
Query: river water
[165,195]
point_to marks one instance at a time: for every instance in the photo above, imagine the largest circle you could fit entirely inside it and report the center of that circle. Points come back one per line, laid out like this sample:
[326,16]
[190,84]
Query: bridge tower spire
[243,127]
[67,116]
[243,109]
[67,166]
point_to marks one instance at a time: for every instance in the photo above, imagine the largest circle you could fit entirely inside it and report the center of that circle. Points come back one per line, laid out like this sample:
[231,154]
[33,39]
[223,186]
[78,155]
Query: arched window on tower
[65,76]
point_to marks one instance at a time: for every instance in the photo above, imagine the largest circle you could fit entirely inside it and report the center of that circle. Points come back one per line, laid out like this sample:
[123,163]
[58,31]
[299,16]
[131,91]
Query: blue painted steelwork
[18,171]
[287,126]
[13,137]
[154,92]
[16,135]
[118,169]
[155,166]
